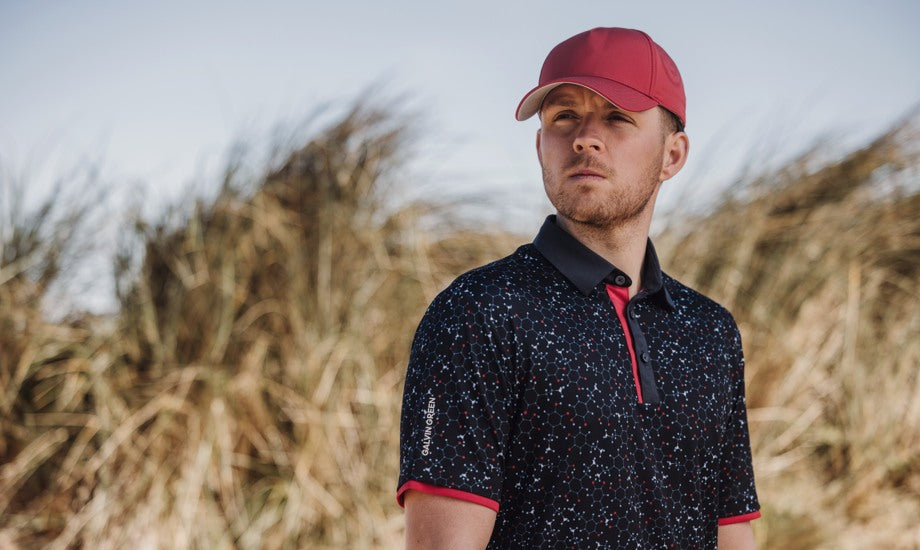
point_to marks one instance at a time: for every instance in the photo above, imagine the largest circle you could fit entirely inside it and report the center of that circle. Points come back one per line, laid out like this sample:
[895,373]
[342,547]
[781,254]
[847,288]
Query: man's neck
[623,246]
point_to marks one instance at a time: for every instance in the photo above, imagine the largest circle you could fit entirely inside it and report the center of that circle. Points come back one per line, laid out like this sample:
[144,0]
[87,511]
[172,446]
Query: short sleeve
[456,403]
[737,492]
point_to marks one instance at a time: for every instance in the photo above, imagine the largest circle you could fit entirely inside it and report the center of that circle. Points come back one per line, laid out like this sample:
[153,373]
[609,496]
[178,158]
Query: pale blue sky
[156,91]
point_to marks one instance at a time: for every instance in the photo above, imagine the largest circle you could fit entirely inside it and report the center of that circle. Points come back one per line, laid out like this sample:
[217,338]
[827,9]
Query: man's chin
[597,219]
[587,218]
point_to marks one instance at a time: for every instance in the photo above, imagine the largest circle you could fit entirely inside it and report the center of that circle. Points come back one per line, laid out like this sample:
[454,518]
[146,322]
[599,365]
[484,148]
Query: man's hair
[671,122]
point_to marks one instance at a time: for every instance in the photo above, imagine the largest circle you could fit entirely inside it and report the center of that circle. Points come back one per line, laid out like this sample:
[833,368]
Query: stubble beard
[618,207]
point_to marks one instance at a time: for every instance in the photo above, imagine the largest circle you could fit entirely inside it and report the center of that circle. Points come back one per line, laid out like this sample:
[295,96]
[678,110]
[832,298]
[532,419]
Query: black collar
[585,268]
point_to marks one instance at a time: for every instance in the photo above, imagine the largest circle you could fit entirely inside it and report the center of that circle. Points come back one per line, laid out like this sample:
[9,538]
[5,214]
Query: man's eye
[616,117]
[564,115]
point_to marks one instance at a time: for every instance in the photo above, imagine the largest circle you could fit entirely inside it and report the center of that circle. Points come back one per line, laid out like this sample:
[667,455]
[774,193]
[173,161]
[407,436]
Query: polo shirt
[585,419]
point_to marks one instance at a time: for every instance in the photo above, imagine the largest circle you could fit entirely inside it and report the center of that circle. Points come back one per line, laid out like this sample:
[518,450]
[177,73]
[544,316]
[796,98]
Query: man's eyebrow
[559,100]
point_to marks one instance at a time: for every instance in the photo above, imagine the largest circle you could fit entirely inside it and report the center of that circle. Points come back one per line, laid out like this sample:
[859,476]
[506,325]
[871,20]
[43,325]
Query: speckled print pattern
[520,390]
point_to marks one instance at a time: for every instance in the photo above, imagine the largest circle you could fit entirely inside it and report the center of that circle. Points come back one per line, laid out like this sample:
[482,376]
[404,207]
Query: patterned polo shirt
[585,419]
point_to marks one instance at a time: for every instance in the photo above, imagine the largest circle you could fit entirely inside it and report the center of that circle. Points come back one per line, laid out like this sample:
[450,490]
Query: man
[571,394]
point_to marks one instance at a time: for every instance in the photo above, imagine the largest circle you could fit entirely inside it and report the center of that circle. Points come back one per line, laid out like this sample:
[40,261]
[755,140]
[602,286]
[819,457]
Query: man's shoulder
[692,303]
[496,284]
[505,273]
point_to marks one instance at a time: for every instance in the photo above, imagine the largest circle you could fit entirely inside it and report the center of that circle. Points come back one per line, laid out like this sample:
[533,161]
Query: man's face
[602,166]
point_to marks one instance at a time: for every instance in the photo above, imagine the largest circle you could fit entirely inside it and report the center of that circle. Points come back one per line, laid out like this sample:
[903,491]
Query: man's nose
[588,139]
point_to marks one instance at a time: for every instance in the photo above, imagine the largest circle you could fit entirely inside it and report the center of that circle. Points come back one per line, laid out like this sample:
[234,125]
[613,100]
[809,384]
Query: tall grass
[246,394]
[820,262]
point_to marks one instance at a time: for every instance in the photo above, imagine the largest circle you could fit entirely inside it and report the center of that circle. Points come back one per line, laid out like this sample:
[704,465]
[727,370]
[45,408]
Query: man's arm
[439,522]
[736,536]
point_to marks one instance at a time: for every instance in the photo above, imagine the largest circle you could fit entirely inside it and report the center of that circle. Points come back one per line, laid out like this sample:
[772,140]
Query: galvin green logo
[429,420]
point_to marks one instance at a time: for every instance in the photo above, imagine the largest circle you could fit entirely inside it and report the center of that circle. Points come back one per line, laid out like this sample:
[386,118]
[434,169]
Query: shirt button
[645,357]
[619,280]
[634,314]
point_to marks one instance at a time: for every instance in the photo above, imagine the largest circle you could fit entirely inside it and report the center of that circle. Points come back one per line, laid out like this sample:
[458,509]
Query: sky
[154,94]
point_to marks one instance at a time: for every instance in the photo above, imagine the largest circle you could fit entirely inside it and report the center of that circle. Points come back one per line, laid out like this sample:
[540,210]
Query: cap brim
[620,95]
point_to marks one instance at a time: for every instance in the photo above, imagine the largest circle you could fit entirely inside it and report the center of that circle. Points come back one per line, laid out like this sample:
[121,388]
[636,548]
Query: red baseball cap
[625,66]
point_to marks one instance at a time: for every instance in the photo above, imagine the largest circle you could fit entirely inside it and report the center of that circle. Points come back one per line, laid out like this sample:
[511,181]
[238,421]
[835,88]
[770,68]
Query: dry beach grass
[246,394]
[820,261]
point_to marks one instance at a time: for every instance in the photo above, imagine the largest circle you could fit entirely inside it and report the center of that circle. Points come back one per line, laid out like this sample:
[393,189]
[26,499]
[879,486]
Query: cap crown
[624,65]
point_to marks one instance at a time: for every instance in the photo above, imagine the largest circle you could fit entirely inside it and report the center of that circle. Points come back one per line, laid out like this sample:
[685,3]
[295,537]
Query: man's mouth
[585,174]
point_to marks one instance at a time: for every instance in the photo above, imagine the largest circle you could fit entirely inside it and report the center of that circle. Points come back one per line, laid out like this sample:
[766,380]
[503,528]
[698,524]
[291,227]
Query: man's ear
[676,149]
[539,155]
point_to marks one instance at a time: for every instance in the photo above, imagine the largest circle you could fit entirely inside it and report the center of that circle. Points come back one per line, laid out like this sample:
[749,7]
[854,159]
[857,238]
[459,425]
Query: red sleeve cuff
[739,519]
[446,492]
